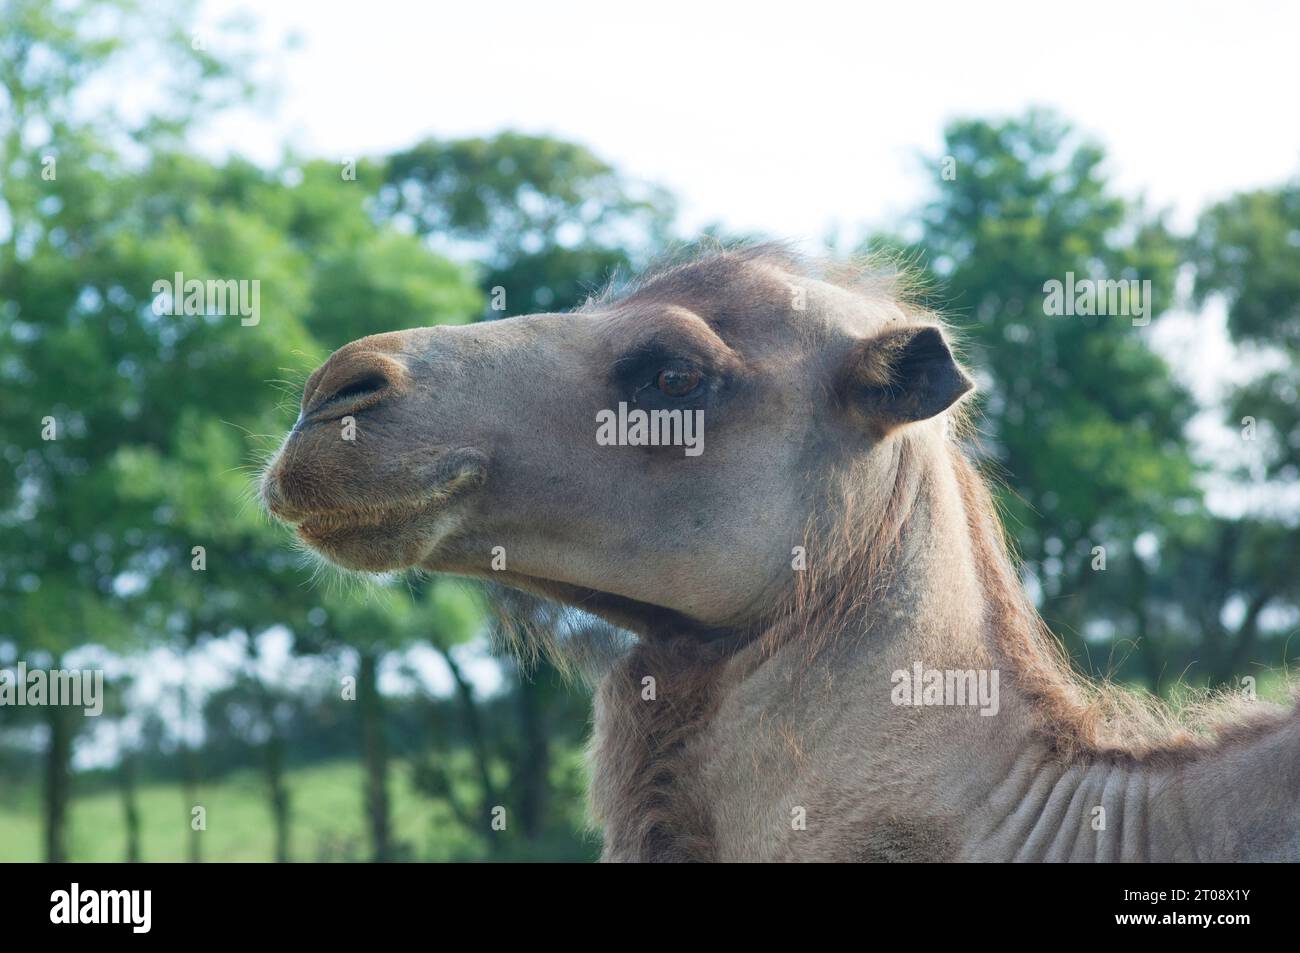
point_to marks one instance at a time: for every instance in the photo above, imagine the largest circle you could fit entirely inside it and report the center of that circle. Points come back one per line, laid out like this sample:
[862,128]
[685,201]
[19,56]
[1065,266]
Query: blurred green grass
[328,822]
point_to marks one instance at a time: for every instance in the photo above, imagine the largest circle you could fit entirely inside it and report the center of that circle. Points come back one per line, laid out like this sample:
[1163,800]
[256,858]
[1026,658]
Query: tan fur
[770,733]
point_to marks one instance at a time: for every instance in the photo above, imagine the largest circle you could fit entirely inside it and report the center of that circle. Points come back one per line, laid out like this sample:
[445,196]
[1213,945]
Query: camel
[833,657]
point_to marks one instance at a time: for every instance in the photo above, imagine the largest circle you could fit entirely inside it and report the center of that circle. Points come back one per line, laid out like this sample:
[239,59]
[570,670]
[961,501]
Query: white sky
[791,118]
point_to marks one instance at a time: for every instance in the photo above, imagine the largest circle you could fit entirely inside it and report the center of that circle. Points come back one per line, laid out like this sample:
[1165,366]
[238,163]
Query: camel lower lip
[374,524]
[337,521]
[455,472]
[379,539]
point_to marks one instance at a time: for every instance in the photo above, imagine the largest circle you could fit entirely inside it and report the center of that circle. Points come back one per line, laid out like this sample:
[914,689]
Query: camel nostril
[367,384]
[350,381]
[351,394]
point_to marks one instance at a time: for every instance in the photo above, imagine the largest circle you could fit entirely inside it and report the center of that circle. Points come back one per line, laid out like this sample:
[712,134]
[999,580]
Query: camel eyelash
[638,366]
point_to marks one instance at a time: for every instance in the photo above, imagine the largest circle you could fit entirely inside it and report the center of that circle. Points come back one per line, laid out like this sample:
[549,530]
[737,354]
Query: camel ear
[905,375]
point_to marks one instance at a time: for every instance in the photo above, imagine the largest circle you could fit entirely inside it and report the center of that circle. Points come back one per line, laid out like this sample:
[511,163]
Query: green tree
[1246,253]
[128,430]
[547,220]
[1081,419]
[57,164]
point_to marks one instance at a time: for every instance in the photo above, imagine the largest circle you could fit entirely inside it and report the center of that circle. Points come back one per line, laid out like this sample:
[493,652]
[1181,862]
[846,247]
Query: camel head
[654,458]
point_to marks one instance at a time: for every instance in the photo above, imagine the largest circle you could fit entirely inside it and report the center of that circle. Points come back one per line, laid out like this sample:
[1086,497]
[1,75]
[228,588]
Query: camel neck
[924,717]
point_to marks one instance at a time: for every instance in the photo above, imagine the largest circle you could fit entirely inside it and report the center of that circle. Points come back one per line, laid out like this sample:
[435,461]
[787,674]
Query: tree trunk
[531,775]
[190,791]
[280,803]
[375,755]
[1139,600]
[58,774]
[479,744]
[273,764]
[190,775]
[130,808]
[1229,669]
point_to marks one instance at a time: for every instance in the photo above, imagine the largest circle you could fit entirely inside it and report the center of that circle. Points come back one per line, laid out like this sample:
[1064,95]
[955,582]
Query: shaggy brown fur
[646,746]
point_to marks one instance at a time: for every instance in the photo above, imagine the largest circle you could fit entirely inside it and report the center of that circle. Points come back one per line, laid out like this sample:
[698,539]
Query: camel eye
[674,382]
